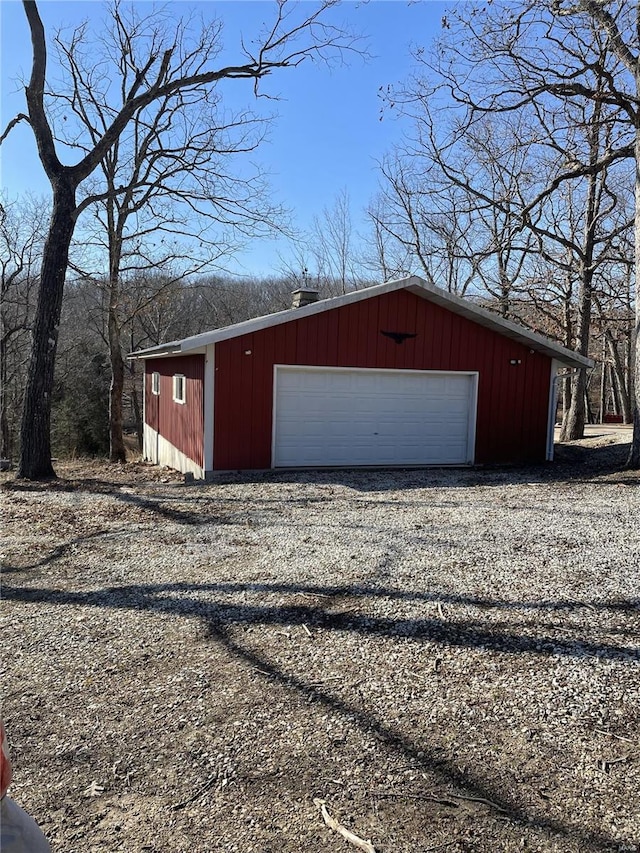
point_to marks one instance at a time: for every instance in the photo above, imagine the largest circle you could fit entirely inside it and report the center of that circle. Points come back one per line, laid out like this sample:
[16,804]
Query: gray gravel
[449,659]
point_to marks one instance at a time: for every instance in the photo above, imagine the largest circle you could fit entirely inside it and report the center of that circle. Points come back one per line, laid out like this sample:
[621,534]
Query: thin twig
[480,800]
[611,734]
[208,784]
[415,674]
[608,762]
[405,796]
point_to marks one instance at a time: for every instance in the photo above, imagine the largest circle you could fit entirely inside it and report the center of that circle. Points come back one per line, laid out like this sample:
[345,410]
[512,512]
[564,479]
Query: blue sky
[328,134]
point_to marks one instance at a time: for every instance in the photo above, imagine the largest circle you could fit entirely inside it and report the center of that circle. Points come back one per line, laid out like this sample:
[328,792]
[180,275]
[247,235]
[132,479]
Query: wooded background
[513,185]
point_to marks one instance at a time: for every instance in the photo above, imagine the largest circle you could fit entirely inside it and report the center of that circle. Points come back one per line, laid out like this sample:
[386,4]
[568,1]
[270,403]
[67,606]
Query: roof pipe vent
[302,297]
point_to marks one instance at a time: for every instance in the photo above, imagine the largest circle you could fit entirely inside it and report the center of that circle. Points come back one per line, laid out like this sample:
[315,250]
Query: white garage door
[340,416]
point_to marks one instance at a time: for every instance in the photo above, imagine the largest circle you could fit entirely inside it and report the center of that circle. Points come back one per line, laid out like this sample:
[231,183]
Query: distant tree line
[515,184]
[154,307]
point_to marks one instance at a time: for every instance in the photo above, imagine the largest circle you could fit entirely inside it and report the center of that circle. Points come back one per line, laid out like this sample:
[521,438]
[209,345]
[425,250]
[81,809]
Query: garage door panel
[333,416]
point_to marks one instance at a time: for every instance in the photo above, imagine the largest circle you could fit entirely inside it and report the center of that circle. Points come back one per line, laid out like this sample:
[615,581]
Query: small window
[155,383]
[179,388]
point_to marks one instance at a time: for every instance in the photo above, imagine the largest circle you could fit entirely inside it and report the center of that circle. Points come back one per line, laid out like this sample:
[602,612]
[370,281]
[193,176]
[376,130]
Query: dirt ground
[448,659]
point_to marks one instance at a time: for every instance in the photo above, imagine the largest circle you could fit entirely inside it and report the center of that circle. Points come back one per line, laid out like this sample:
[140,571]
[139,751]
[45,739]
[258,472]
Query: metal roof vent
[302,297]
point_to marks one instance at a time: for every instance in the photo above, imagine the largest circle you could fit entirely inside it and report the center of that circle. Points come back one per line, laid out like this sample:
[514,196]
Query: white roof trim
[416,285]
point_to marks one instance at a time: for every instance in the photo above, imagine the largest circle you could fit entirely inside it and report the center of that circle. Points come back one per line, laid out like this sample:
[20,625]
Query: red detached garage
[397,374]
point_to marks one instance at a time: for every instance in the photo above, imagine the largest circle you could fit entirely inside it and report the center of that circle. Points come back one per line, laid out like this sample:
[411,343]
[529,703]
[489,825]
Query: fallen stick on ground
[410,796]
[480,800]
[332,823]
[605,763]
[211,781]
[611,734]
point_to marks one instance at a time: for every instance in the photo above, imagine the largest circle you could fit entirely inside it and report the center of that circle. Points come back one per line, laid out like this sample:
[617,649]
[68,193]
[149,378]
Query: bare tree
[512,64]
[597,200]
[295,264]
[613,351]
[615,314]
[168,194]
[619,24]
[22,229]
[399,213]
[498,156]
[327,257]
[332,245]
[166,71]
[387,257]
[461,240]
[574,53]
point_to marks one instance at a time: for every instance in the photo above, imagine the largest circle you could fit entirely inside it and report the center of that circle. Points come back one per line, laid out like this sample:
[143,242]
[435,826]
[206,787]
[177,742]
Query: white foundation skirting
[161,452]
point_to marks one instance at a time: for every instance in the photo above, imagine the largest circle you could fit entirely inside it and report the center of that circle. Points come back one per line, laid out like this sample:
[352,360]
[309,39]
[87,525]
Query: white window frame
[179,388]
[155,383]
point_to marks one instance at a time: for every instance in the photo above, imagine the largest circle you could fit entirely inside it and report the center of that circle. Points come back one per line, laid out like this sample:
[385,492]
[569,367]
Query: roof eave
[494,321]
[173,348]
[450,301]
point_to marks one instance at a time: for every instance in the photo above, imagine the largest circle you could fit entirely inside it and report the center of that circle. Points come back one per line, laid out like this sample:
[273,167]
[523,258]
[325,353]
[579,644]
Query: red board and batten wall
[181,424]
[512,414]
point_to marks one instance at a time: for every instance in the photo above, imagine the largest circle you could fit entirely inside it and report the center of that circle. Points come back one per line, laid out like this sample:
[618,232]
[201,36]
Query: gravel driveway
[448,659]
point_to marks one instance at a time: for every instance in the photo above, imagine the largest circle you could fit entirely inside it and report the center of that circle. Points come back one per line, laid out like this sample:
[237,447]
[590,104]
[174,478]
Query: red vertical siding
[182,424]
[512,399]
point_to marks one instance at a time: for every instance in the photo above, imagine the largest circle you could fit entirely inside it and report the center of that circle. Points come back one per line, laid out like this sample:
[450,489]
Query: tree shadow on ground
[57,553]
[573,463]
[464,633]
[476,789]
[220,618]
[161,505]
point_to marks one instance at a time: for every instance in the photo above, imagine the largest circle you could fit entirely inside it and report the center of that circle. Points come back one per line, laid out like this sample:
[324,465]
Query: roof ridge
[426,290]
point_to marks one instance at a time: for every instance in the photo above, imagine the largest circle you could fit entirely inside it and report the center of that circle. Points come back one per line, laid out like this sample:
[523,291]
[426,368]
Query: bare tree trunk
[505,288]
[35,456]
[634,454]
[603,383]
[618,375]
[573,424]
[5,449]
[574,418]
[5,435]
[566,395]
[117,450]
[588,414]
[138,416]
[617,407]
